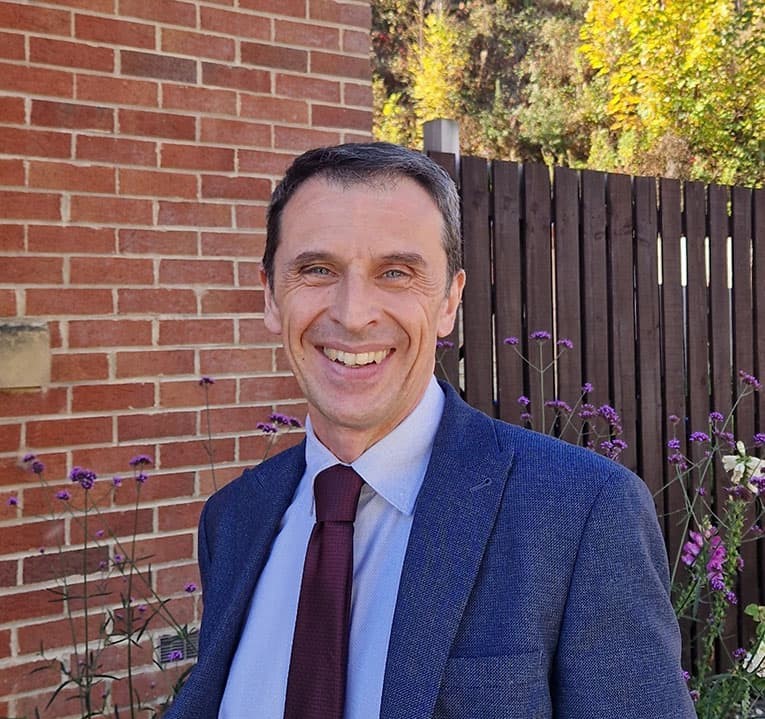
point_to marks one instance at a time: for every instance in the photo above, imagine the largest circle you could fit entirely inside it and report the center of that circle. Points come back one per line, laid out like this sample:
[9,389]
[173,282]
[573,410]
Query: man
[496,572]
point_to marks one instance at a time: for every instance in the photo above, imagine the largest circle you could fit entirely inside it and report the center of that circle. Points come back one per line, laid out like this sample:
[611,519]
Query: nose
[354,304]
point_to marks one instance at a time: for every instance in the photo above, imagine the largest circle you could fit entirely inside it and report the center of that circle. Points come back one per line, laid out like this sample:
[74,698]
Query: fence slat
[621,263]
[477,301]
[508,270]
[567,288]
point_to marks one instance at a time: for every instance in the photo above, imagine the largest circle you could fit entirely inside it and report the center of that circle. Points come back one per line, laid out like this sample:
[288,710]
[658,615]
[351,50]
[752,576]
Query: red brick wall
[139,143]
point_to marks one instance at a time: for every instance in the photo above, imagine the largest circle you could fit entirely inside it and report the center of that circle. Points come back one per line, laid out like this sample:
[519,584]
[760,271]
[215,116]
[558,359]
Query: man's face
[360,297]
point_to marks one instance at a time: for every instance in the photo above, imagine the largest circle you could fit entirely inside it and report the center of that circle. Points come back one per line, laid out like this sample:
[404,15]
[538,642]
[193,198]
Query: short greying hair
[367,163]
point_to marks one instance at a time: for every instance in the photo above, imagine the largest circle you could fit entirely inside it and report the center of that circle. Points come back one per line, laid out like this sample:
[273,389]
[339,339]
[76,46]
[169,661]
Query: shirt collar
[395,466]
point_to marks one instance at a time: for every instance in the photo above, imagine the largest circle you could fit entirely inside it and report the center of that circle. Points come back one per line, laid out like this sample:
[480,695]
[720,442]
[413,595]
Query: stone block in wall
[24,355]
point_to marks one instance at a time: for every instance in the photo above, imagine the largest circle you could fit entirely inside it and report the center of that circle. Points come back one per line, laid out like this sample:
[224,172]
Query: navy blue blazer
[535,583]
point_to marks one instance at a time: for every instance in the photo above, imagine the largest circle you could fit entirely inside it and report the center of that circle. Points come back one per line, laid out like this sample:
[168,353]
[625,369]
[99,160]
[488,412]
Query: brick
[344,117]
[35,80]
[357,94]
[111,271]
[238,78]
[274,56]
[189,272]
[232,244]
[51,634]
[106,89]
[308,88]
[112,397]
[269,389]
[109,333]
[195,332]
[157,124]
[12,110]
[182,515]
[156,301]
[108,461]
[167,11]
[52,238]
[20,678]
[235,188]
[233,23]
[11,172]
[161,67]
[198,44]
[249,274]
[110,210]
[301,139]
[10,437]
[116,150]
[189,393]
[72,367]
[275,109]
[12,46]
[11,238]
[69,302]
[31,535]
[66,432]
[35,143]
[235,132]
[254,332]
[72,116]
[227,361]
[118,523]
[114,32]
[27,403]
[32,18]
[30,206]
[254,448]
[193,453]
[358,42]
[101,6]
[238,420]
[198,157]
[162,242]
[307,34]
[330,63]
[173,485]
[70,54]
[199,99]
[232,301]
[148,426]
[250,216]
[296,8]
[72,178]
[155,363]
[157,184]
[341,12]
[262,162]
[8,303]
[32,270]
[194,214]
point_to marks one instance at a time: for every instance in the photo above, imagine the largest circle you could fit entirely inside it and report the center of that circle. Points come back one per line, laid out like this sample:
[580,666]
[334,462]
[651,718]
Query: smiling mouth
[352,359]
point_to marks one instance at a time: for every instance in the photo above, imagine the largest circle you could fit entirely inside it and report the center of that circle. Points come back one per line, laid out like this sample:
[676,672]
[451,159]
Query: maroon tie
[316,681]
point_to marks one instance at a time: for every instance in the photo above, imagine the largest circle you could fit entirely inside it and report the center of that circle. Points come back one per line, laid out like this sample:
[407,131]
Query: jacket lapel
[454,515]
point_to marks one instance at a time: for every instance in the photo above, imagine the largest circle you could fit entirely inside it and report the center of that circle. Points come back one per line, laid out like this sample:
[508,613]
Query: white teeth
[350,359]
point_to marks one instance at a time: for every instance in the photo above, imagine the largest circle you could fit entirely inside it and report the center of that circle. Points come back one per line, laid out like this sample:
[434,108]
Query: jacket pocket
[499,687]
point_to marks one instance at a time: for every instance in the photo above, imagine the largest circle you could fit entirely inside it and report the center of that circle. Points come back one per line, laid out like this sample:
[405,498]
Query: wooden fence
[659,284]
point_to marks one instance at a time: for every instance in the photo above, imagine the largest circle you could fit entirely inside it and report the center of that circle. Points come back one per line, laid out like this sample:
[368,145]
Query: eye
[317,271]
[394,274]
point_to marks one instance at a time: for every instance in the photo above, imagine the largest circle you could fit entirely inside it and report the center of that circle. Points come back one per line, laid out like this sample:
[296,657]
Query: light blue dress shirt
[393,470]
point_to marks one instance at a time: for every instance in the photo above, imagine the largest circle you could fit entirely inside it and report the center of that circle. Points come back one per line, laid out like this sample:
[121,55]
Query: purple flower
[673,419]
[727,437]
[692,548]
[118,559]
[759,439]
[100,533]
[701,491]
[686,675]
[206,380]
[266,428]
[567,343]
[586,388]
[609,414]
[12,501]
[673,444]
[739,654]
[540,335]
[191,587]
[525,417]
[28,457]
[38,467]
[749,379]
[678,460]
[117,480]
[140,459]
[559,404]
[285,420]
[523,400]
[695,696]
[511,341]
[141,477]
[620,444]
[587,411]
[141,608]
[444,344]
[175,655]
[731,598]
[716,417]
[63,495]
[85,477]
[699,437]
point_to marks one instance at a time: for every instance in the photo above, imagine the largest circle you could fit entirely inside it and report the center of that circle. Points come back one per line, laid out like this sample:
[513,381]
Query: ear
[271,317]
[451,303]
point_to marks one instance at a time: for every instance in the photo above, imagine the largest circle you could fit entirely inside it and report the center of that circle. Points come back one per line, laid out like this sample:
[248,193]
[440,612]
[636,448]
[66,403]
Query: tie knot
[337,490]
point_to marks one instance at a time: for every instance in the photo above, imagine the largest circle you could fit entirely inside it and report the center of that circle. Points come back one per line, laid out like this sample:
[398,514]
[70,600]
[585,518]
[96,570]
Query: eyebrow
[404,258]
